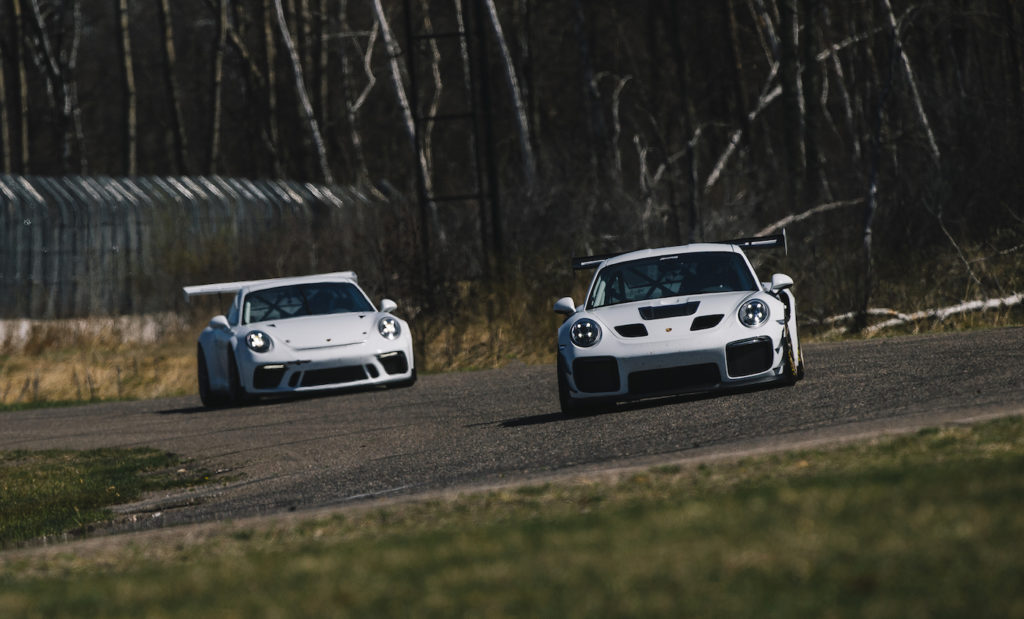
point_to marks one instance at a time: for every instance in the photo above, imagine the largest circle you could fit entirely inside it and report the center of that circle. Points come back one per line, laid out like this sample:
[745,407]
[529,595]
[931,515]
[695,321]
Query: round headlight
[585,333]
[257,341]
[754,313]
[389,328]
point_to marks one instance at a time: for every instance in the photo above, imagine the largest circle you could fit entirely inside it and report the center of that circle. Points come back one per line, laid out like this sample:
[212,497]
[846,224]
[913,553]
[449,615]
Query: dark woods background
[884,133]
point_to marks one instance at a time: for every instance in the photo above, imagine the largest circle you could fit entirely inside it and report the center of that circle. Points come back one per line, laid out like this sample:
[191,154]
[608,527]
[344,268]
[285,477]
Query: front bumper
[325,371]
[706,366]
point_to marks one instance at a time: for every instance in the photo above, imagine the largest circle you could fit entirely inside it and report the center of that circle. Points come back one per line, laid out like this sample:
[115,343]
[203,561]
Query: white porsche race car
[299,334]
[676,320]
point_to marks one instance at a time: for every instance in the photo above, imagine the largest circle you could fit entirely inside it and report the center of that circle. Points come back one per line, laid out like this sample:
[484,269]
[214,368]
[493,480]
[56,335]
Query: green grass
[49,493]
[926,525]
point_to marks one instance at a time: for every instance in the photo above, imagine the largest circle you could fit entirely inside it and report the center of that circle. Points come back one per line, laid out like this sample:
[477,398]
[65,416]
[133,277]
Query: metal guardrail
[87,246]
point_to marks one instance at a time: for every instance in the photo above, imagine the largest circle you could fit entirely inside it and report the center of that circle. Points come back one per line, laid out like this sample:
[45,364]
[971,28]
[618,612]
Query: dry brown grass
[92,360]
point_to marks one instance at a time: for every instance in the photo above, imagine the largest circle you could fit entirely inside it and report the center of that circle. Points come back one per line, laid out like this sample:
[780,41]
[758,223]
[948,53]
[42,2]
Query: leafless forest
[884,134]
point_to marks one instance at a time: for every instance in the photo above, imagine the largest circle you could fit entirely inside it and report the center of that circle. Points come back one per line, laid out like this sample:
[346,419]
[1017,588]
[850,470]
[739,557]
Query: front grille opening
[596,374]
[634,330]
[394,362]
[267,376]
[333,376]
[749,357]
[675,379]
[706,322]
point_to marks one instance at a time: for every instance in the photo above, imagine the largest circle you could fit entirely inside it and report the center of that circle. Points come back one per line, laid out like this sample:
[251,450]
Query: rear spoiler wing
[772,241]
[234,287]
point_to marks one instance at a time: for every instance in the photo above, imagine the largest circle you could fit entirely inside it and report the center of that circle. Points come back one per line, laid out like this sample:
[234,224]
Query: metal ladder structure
[463,117]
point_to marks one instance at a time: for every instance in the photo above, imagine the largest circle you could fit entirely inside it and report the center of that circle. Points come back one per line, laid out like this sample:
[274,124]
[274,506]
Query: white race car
[299,334]
[676,320]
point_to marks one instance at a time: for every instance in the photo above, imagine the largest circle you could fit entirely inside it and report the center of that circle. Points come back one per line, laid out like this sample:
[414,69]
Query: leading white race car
[299,334]
[676,320]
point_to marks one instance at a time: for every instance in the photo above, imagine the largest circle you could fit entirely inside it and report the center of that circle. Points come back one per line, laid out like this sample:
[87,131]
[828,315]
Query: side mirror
[565,306]
[220,322]
[387,305]
[781,282]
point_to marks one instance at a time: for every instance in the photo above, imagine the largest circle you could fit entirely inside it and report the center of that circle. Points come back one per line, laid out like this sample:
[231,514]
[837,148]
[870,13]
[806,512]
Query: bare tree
[57,83]
[270,45]
[303,94]
[217,84]
[353,103]
[19,38]
[5,129]
[130,95]
[522,119]
[178,129]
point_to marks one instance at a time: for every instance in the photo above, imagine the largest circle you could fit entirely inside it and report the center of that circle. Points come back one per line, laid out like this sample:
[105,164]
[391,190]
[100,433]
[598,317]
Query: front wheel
[237,395]
[409,382]
[571,407]
[206,395]
[792,370]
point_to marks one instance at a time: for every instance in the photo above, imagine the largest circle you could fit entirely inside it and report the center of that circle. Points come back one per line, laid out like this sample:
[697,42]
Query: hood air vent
[654,312]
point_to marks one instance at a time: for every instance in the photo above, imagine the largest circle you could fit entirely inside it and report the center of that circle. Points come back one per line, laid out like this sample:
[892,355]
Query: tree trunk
[511,79]
[811,86]
[76,114]
[19,47]
[793,105]
[179,133]
[5,129]
[270,43]
[354,103]
[303,94]
[57,83]
[130,95]
[217,85]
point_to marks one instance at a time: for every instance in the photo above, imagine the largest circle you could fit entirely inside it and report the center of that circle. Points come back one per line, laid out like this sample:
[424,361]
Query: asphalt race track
[477,429]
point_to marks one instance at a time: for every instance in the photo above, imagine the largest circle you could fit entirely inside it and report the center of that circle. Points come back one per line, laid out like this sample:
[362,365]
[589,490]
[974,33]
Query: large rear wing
[234,287]
[772,241]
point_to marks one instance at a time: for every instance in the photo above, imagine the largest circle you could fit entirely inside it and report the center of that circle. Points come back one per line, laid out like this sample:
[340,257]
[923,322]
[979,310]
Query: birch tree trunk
[909,72]
[522,119]
[76,109]
[794,136]
[56,82]
[130,95]
[178,129]
[217,85]
[19,38]
[813,185]
[5,128]
[303,94]
[270,43]
[354,103]
[394,53]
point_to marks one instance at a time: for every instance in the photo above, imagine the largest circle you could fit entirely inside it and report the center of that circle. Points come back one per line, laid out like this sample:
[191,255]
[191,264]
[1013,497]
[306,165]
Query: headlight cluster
[257,341]
[585,333]
[389,328]
[754,313]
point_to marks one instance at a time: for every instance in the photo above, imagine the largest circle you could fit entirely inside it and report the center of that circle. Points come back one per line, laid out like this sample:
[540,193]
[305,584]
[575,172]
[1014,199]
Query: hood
[668,318]
[321,331]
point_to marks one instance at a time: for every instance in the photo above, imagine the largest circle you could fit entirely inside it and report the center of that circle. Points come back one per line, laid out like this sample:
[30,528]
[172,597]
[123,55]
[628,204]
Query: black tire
[206,395]
[791,370]
[236,393]
[570,406]
[409,382]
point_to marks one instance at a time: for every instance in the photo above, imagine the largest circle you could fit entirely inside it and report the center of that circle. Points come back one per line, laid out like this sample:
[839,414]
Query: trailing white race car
[298,334]
[676,320]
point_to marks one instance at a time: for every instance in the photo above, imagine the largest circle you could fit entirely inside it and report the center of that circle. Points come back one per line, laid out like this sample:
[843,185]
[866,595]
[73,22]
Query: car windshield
[671,276]
[303,300]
